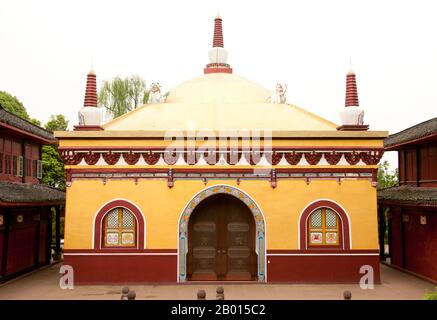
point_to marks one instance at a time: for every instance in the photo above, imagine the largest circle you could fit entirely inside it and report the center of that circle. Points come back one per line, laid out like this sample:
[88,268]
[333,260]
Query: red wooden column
[403,245]
[382,227]
[49,235]
[6,224]
[58,233]
[37,236]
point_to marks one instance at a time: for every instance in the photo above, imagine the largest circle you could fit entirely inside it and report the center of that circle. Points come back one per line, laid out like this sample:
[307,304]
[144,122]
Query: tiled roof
[22,192]
[409,195]
[19,123]
[418,131]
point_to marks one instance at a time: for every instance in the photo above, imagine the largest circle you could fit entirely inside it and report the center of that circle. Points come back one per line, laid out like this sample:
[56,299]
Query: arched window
[324,224]
[119,228]
[324,228]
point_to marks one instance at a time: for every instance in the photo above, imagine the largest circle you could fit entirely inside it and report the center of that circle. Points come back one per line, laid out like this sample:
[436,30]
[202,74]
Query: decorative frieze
[71,158]
[91,158]
[275,158]
[333,157]
[211,157]
[371,158]
[131,158]
[293,158]
[151,158]
[352,157]
[254,157]
[313,157]
[170,157]
[235,157]
[111,158]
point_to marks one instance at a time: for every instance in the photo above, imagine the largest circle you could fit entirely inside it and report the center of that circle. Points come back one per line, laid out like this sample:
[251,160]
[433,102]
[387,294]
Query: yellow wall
[162,207]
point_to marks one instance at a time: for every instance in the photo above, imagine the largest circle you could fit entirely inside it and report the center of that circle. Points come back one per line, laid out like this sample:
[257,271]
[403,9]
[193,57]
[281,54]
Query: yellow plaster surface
[162,207]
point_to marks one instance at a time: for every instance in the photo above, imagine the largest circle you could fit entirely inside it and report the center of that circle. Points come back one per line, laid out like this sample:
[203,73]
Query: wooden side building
[411,218]
[25,204]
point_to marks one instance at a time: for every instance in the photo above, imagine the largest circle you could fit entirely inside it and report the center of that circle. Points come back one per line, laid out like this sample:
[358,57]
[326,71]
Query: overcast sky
[48,47]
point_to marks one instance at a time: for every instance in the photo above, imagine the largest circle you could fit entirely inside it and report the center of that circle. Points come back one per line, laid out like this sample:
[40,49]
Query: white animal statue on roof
[155,95]
[280,94]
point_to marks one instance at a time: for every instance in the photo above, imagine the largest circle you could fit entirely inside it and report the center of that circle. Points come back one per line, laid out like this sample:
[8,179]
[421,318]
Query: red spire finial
[218,55]
[218,33]
[91,90]
[351,90]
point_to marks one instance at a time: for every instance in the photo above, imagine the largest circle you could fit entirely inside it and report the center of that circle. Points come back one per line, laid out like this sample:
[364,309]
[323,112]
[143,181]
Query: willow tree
[121,95]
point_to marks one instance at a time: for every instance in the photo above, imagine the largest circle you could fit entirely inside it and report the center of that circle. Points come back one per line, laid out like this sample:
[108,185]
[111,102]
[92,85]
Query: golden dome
[219,101]
[218,88]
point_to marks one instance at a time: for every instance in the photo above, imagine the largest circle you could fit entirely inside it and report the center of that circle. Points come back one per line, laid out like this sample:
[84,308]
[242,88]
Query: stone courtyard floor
[44,284]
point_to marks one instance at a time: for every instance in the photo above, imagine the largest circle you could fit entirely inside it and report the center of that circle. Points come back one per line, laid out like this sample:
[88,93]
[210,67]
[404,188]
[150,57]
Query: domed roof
[219,101]
[218,88]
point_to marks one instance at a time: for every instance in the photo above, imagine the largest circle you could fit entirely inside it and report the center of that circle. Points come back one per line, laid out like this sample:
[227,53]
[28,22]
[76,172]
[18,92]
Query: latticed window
[324,228]
[119,228]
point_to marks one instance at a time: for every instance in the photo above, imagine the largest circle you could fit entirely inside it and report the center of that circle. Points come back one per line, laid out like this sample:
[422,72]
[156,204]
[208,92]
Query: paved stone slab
[44,284]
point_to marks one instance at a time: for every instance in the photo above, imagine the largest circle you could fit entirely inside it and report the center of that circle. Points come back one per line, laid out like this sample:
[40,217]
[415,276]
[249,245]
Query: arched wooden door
[221,240]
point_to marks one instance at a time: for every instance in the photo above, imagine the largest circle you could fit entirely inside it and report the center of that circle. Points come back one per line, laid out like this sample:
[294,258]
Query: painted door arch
[259,227]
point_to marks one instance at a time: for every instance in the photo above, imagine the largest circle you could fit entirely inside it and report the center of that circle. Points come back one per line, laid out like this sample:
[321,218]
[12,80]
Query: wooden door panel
[204,263]
[204,246]
[222,241]
[238,264]
[238,250]
[21,248]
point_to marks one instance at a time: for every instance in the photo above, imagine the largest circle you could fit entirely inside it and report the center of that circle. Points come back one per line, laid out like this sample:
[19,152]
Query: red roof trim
[27,134]
[30,204]
[416,140]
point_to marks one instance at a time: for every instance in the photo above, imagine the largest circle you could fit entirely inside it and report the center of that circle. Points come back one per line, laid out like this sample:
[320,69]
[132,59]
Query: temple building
[221,180]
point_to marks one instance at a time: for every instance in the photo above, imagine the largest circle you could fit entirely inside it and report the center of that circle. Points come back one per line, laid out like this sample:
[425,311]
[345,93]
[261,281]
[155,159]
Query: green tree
[53,166]
[13,105]
[386,177]
[57,123]
[121,95]
[137,89]
[146,96]
[35,122]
